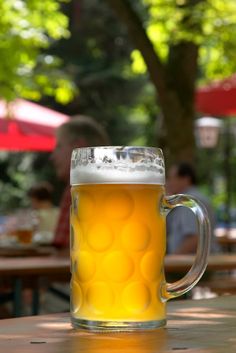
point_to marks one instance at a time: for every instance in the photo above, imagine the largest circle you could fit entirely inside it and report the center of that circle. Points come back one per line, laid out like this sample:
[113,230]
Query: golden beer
[117,252]
[24,236]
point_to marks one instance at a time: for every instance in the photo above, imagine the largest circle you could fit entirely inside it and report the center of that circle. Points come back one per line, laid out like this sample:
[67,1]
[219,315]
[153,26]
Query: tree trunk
[178,126]
[178,102]
[174,82]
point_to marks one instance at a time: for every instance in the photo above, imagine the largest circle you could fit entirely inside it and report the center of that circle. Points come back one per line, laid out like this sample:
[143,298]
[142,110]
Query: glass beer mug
[118,239]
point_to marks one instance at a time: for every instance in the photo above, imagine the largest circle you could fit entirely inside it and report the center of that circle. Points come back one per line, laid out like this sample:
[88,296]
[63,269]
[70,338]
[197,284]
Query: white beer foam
[117,165]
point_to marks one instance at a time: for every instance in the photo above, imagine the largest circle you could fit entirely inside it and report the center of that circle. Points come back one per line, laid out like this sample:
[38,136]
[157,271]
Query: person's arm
[188,226]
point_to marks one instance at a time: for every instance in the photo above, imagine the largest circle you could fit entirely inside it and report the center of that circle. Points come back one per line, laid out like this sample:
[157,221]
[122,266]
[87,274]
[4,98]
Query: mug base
[118,326]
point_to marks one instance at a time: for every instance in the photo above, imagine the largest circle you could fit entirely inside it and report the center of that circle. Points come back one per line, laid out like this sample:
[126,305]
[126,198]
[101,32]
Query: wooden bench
[221,284]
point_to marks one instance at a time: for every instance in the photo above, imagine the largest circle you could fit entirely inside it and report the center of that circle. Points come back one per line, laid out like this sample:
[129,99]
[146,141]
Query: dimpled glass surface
[117,252]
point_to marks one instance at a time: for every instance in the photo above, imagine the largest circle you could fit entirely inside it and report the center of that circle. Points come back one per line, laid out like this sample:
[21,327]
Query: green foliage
[19,171]
[27,28]
[15,179]
[98,54]
[217,54]
[211,24]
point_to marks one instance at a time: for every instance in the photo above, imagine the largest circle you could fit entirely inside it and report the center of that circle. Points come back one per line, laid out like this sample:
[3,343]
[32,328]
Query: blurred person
[46,213]
[40,195]
[182,229]
[80,131]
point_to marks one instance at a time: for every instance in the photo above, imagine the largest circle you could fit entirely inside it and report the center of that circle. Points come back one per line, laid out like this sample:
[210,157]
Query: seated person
[182,230]
[80,131]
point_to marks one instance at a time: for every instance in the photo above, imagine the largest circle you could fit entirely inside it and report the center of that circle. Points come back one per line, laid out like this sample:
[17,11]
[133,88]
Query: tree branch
[126,13]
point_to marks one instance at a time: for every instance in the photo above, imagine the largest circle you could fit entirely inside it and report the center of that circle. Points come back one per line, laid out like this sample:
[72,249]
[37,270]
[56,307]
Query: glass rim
[117,165]
[119,148]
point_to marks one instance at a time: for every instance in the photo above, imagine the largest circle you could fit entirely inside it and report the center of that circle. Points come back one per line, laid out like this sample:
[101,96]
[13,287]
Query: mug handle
[173,290]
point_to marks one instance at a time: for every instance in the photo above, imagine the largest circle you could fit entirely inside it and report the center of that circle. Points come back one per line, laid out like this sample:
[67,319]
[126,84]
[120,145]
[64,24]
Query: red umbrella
[26,126]
[218,98]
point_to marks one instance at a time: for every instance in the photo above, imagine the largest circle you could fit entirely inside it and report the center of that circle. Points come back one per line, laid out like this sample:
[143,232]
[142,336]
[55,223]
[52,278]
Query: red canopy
[218,98]
[26,126]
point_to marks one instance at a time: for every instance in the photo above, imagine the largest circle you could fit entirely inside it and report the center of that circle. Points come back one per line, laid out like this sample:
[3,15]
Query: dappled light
[143,342]
[201,313]
[55,326]
[191,327]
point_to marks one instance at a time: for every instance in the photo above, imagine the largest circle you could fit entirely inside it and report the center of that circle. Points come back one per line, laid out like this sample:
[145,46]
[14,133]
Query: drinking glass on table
[118,239]
[21,226]
[27,223]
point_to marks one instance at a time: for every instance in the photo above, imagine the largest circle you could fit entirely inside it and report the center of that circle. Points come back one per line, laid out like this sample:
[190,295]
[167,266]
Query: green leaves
[211,24]
[26,29]
[217,54]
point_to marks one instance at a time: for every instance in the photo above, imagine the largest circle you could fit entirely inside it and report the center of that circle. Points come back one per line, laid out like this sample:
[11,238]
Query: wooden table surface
[226,240]
[57,268]
[37,266]
[50,265]
[200,326]
[21,272]
[181,263]
[26,250]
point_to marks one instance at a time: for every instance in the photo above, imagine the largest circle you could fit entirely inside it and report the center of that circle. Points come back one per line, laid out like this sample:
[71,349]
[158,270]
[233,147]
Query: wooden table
[35,266]
[26,250]
[58,268]
[181,263]
[54,265]
[200,326]
[226,238]
[227,243]
[31,269]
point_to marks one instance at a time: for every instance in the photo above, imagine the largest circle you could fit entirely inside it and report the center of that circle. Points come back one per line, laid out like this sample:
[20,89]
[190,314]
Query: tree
[179,40]
[27,29]
[100,60]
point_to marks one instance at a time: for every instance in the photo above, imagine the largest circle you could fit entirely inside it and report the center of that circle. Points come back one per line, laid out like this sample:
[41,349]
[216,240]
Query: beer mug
[118,239]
